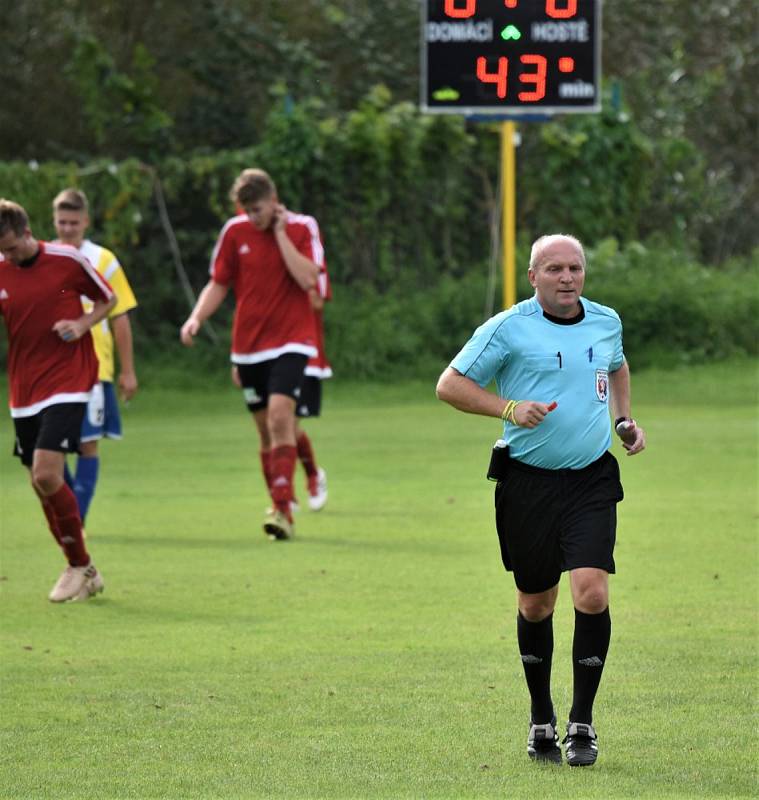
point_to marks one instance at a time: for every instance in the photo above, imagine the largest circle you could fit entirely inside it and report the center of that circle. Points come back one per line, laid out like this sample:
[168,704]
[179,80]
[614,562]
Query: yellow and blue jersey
[106,263]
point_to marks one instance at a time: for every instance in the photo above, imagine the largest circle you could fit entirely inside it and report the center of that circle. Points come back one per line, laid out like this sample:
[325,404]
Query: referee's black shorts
[550,521]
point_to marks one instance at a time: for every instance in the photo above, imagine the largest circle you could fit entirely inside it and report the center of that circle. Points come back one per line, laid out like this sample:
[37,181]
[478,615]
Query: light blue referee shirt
[533,358]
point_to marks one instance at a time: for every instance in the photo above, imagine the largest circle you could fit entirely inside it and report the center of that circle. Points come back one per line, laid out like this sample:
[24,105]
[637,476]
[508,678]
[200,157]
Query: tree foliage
[121,109]
[152,78]
[404,202]
[688,72]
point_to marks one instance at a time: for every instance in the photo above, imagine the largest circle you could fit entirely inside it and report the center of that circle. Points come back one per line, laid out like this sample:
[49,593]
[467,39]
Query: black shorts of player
[551,521]
[283,375]
[310,400]
[54,428]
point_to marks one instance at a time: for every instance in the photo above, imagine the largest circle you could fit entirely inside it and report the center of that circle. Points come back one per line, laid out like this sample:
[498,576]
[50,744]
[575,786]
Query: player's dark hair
[252,186]
[71,200]
[12,218]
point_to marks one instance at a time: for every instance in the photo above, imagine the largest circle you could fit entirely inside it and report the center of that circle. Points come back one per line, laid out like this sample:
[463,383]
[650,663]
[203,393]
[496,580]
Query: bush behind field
[405,202]
[674,311]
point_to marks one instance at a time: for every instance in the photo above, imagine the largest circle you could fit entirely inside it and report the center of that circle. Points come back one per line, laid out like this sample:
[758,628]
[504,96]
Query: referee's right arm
[465,395]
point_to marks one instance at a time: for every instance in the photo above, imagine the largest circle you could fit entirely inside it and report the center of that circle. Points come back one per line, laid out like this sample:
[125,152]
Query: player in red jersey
[308,404]
[52,368]
[270,258]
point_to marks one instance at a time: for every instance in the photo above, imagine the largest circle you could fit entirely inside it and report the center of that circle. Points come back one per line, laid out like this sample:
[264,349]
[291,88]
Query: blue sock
[67,476]
[85,482]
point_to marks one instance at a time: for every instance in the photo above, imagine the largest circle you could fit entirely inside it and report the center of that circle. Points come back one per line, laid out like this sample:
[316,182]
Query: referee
[558,364]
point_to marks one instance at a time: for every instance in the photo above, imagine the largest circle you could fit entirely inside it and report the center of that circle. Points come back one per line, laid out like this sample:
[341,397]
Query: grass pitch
[375,656]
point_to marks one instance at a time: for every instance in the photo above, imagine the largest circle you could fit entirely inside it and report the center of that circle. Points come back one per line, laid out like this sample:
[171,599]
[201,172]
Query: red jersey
[318,366]
[273,314]
[42,368]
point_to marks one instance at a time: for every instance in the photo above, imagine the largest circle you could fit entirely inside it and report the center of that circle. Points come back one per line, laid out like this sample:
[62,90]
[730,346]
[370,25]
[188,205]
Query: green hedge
[674,311]
[405,203]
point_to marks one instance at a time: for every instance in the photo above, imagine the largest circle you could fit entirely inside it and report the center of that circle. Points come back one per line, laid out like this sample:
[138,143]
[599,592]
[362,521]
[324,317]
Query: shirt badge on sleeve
[602,385]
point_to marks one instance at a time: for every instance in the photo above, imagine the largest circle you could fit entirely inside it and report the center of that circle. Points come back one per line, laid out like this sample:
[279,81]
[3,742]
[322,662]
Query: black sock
[589,649]
[536,648]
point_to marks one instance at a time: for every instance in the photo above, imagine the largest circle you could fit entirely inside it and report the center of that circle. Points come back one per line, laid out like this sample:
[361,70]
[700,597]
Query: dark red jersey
[273,314]
[318,366]
[42,368]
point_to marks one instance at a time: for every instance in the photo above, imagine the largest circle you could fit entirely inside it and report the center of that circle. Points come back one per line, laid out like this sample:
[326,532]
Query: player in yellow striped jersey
[71,219]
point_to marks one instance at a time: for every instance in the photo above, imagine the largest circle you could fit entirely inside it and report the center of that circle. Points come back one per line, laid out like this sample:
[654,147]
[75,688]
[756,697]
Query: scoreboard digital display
[511,57]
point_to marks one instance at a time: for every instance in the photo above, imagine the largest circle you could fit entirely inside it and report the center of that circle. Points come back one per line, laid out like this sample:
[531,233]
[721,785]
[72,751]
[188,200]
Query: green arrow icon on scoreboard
[511,32]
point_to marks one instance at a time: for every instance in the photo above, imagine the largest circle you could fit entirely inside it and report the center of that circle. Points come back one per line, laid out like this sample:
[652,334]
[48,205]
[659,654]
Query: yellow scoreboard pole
[508,211]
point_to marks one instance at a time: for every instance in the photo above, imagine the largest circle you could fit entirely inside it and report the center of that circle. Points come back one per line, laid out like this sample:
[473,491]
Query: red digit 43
[501,76]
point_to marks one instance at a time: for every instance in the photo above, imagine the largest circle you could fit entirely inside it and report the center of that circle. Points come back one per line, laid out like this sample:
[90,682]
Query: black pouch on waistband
[499,461]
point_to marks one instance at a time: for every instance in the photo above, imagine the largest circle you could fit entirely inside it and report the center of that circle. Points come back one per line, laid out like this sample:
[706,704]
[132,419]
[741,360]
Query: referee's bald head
[541,244]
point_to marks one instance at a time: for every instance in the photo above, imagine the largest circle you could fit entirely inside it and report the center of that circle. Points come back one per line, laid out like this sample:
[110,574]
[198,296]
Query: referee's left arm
[619,382]
[634,439]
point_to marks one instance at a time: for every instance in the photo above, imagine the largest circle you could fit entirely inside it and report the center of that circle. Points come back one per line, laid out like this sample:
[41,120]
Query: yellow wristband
[513,412]
[508,412]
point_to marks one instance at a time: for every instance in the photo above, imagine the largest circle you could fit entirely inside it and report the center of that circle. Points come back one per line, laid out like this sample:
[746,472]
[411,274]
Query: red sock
[306,454]
[52,523]
[266,466]
[282,468]
[69,526]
